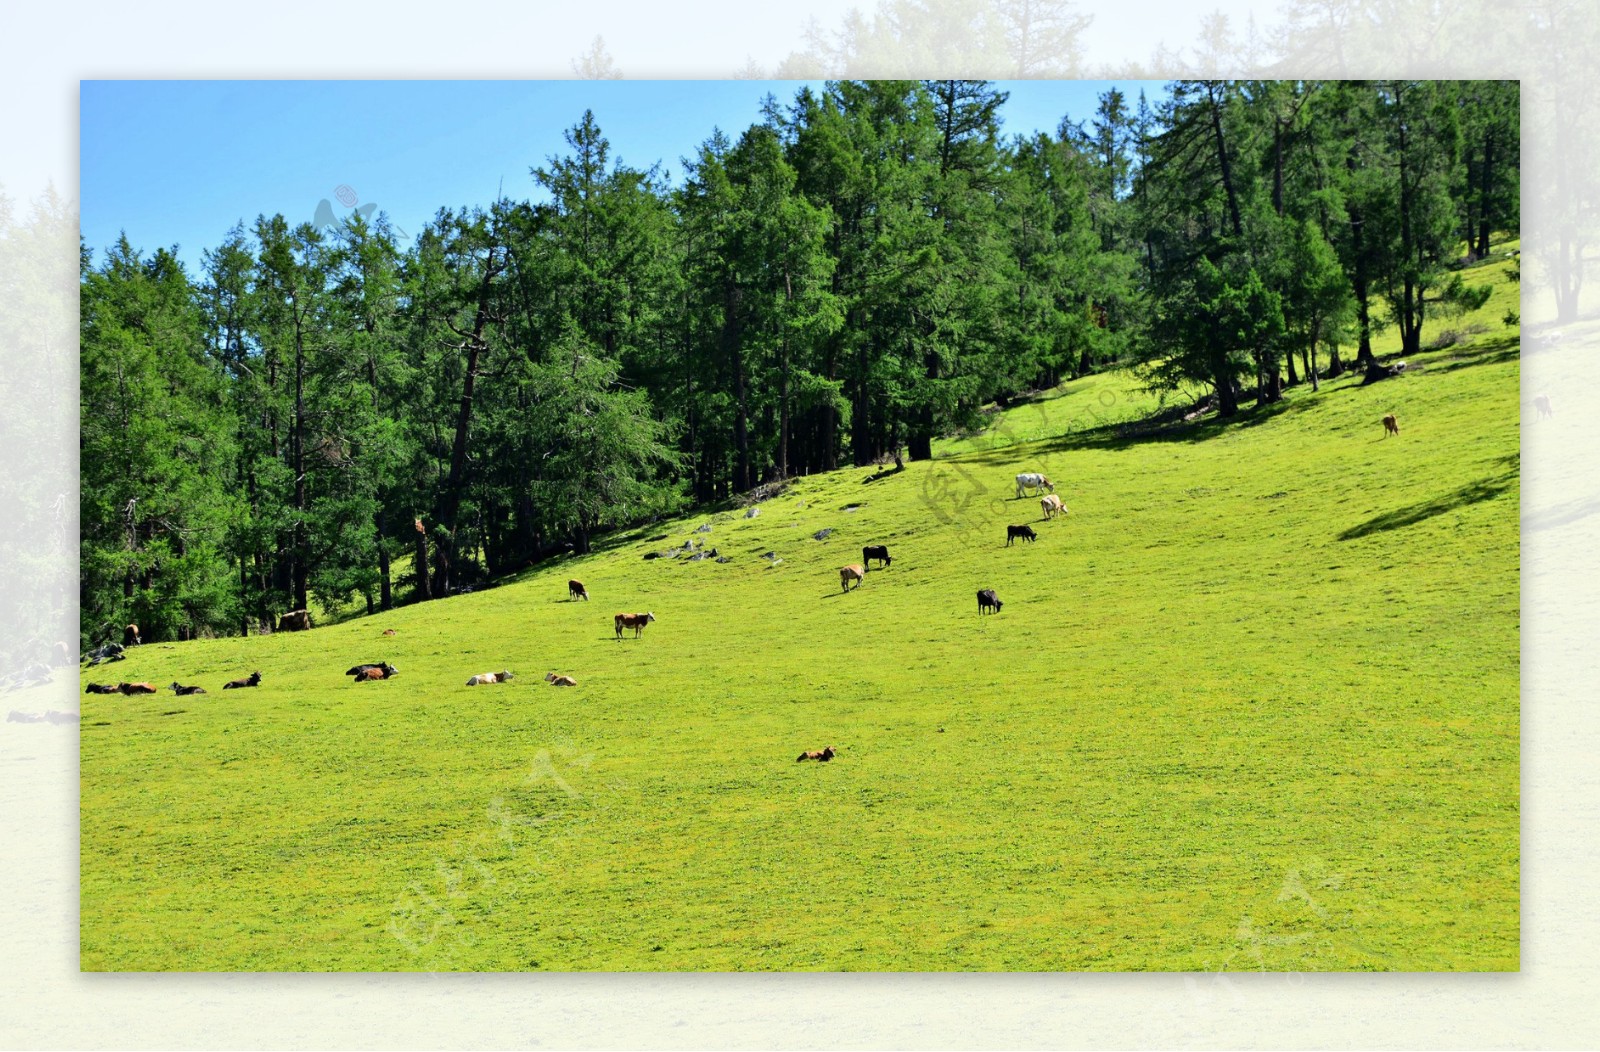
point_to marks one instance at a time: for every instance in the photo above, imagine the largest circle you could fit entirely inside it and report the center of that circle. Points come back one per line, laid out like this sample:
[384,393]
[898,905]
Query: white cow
[1033,480]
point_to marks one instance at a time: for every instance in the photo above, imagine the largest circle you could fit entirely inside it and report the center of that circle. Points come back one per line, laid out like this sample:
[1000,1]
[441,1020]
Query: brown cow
[388,631]
[633,621]
[854,572]
[136,688]
[576,590]
[252,680]
[560,681]
[294,621]
[130,636]
[371,674]
[1390,426]
[822,755]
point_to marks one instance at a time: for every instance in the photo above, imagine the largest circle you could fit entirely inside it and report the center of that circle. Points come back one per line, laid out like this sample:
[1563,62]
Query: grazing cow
[560,681]
[821,755]
[1051,504]
[361,670]
[854,572]
[875,551]
[987,600]
[1033,480]
[252,680]
[1390,426]
[130,636]
[633,621]
[1013,532]
[176,688]
[136,688]
[100,688]
[484,678]
[576,590]
[295,621]
[1542,403]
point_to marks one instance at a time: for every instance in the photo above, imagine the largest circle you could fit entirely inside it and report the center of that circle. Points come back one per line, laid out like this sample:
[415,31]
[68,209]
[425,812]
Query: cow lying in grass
[252,680]
[879,552]
[560,681]
[633,621]
[180,690]
[484,678]
[987,600]
[854,572]
[136,688]
[822,755]
[576,590]
[100,688]
[1051,505]
[295,621]
[382,666]
[1013,532]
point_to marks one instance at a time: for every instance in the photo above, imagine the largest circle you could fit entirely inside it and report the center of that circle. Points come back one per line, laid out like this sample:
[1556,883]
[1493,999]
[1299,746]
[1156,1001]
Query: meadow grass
[1253,703]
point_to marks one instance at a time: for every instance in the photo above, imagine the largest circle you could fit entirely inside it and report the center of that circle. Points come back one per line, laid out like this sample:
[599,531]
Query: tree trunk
[1486,187]
[385,587]
[1222,162]
[1227,403]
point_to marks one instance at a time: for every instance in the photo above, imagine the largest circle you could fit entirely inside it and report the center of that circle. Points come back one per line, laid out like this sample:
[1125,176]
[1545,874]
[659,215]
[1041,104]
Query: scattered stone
[822,535]
[752,513]
[770,555]
[704,529]
[723,559]
[652,555]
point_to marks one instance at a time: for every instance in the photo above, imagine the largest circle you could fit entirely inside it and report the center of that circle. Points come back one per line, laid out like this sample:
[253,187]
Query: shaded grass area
[1252,704]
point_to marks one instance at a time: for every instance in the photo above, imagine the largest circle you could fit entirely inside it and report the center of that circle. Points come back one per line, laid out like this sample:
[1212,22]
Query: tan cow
[854,572]
[633,621]
[560,681]
[1051,505]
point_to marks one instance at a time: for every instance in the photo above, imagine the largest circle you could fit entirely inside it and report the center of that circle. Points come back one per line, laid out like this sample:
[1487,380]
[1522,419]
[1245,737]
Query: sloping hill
[1252,703]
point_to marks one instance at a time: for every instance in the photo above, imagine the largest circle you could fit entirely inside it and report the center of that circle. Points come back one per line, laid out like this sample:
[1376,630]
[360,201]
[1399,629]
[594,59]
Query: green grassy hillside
[1251,704]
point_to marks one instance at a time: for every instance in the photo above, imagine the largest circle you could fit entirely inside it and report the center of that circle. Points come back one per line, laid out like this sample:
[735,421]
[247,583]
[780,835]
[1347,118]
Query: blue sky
[179,162]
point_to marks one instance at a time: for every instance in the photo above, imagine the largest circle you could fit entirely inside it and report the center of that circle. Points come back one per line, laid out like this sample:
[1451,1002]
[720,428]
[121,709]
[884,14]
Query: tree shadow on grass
[1472,493]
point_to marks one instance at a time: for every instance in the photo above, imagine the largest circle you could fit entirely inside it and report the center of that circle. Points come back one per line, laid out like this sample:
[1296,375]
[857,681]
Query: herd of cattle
[855,573]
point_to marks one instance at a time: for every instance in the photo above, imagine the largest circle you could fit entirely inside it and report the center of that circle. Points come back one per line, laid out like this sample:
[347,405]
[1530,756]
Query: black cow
[360,671]
[101,688]
[1013,532]
[875,551]
[130,636]
[176,688]
[252,680]
[987,600]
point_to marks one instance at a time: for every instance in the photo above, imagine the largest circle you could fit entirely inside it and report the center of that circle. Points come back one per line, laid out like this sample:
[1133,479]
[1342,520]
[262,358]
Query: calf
[822,755]
[1542,403]
[987,600]
[182,690]
[130,636]
[633,621]
[100,688]
[854,572]
[252,680]
[295,621]
[1390,426]
[484,678]
[136,688]
[875,551]
[560,681]
[1013,532]
[576,590]
[1051,505]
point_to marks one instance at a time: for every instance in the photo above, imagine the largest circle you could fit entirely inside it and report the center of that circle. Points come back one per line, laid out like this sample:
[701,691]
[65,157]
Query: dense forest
[853,277]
